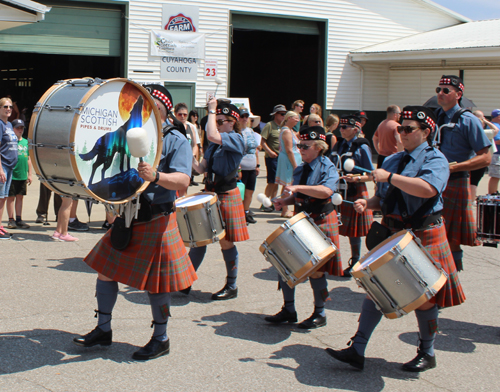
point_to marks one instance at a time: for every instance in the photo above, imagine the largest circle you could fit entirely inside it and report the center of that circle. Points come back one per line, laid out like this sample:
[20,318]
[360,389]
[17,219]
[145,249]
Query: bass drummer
[221,162]
[314,182]
[409,193]
[154,258]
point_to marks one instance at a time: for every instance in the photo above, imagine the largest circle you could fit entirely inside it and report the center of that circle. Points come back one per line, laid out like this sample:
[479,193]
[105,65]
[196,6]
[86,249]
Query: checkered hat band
[306,137]
[408,115]
[447,81]
[232,114]
[162,97]
[345,121]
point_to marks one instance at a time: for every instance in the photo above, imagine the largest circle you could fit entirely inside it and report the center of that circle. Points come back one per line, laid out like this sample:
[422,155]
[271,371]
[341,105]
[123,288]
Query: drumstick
[284,194]
[349,165]
[337,199]
[218,81]
[138,143]
[452,163]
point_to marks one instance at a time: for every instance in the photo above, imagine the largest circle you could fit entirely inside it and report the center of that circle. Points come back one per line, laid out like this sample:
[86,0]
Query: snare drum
[78,138]
[297,249]
[488,219]
[199,219]
[399,275]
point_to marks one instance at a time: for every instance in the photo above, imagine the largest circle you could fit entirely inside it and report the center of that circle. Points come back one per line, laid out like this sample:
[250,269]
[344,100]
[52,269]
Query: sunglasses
[7,107]
[182,114]
[445,90]
[221,122]
[281,113]
[303,147]
[244,116]
[407,129]
[345,126]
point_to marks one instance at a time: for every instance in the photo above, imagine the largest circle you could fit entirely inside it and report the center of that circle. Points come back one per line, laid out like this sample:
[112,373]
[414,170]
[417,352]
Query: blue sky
[473,9]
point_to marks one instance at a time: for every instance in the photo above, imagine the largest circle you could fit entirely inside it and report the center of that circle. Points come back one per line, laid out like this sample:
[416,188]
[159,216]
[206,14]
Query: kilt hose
[354,224]
[434,240]
[155,260]
[233,215]
[330,227]
[458,213]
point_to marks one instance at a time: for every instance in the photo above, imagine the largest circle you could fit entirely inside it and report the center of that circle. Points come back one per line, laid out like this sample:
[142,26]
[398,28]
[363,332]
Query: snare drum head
[102,156]
[193,200]
[382,249]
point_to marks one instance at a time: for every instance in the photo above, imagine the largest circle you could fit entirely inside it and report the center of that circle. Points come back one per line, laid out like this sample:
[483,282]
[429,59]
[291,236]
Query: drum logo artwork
[102,153]
[180,22]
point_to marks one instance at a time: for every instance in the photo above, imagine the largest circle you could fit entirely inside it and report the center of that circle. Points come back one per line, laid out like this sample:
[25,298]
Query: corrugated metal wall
[351,25]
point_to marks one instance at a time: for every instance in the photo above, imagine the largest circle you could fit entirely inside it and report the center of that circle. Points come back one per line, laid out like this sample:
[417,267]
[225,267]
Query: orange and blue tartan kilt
[330,227]
[233,215]
[435,242]
[354,224]
[458,213]
[155,259]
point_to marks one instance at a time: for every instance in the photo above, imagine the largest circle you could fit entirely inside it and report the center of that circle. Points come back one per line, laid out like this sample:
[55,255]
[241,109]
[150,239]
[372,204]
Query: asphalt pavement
[48,298]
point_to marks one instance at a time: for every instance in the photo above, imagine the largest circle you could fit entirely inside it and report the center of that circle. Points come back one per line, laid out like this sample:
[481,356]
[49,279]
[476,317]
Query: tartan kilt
[354,224]
[155,260]
[330,227]
[458,213]
[435,242]
[233,215]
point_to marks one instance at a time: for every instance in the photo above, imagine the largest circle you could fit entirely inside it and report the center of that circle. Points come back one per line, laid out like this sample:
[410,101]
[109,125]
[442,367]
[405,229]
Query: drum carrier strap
[317,209]
[217,183]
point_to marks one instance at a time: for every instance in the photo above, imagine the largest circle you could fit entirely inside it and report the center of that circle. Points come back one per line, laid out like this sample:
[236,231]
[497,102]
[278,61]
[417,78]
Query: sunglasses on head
[303,146]
[7,107]
[445,90]
[407,129]
[221,122]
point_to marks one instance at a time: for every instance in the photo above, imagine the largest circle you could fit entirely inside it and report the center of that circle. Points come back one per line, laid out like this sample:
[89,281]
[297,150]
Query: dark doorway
[274,67]
[26,76]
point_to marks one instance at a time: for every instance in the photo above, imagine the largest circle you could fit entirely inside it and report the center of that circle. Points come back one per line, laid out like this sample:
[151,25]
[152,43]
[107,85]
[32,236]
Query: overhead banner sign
[174,44]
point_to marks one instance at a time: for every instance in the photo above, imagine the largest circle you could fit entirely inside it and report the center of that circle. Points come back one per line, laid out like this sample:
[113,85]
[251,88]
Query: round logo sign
[180,22]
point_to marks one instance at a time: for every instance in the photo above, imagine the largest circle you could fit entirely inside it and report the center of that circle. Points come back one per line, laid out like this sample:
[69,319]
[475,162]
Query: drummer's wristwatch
[212,112]
[157,178]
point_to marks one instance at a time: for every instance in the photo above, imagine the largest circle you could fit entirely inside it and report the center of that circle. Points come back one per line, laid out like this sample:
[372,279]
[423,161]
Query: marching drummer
[154,259]
[221,162]
[410,185]
[314,182]
[354,224]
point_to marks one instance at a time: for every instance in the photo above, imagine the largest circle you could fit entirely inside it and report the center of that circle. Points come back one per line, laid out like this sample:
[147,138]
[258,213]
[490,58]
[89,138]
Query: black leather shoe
[185,291]
[347,271]
[348,355]
[315,321]
[225,293]
[250,218]
[420,363]
[283,316]
[152,350]
[94,337]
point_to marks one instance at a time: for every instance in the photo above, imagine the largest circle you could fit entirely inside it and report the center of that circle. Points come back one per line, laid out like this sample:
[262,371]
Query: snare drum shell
[396,277]
[197,217]
[297,259]
[488,219]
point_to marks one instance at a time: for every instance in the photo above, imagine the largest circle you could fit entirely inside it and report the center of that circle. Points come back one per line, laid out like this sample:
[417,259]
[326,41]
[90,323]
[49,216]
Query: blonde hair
[319,111]
[321,146]
[313,118]
[332,119]
[4,100]
[287,116]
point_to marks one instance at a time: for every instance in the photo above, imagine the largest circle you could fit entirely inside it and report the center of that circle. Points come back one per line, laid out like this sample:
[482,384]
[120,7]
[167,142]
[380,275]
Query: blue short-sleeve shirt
[8,146]
[176,157]
[427,163]
[323,172]
[362,156]
[459,144]
[227,156]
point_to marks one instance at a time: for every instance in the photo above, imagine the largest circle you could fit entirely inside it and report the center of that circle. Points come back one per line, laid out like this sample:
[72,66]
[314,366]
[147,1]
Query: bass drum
[78,138]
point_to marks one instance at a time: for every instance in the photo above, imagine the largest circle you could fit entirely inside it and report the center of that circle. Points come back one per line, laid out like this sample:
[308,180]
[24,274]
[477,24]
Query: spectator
[387,140]
[270,143]
[61,232]
[181,113]
[364,119]
[332,123]
[314,120]
[21,176]
[314,109]
[494,168]
[289,157]
[249,165]
[298,107]
[8,157]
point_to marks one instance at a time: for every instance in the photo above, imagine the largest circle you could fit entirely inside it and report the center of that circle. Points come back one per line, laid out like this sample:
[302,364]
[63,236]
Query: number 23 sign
[210,69]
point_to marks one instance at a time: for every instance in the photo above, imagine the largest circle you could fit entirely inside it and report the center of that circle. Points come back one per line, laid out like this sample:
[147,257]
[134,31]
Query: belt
[163,208]
[460,174]
[426,223]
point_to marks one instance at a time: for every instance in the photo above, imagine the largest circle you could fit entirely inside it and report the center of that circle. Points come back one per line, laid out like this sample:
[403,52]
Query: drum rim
[207,242]
[280,230]
[74,167]
[194,207]
[406,237]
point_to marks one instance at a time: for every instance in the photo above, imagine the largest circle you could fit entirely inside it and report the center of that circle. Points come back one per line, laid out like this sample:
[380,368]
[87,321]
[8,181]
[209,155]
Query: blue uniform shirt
[227,156]
[427,163]
[176,157]
[459,144]
[362,156]
[323,172]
